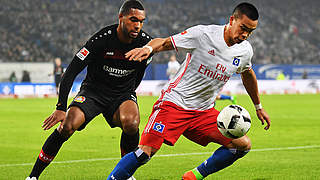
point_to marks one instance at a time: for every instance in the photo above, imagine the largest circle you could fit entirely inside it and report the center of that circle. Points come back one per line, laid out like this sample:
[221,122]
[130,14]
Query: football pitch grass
[289,150]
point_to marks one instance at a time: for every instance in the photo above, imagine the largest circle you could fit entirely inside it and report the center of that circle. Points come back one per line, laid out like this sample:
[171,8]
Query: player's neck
[122,36]
[226,36]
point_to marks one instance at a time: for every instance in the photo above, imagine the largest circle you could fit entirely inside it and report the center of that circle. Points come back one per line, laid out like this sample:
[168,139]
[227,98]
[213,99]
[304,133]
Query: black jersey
[108,71]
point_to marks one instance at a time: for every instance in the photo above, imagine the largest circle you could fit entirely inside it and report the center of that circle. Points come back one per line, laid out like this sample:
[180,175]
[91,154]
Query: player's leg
[205,131]
[221,158]
[127,166]
[127,117]
[74,119]
[164,125]
[131,161]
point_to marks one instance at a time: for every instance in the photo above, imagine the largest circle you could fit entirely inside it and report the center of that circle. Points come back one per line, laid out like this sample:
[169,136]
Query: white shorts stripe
[151,120]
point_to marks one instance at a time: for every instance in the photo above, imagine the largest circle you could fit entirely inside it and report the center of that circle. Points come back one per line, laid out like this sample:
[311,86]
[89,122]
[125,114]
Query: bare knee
[66,130]
[130,123]
[243,143]
[74,119]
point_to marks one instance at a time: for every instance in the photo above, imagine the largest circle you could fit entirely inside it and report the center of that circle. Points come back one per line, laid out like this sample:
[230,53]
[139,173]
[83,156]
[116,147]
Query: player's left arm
[250,83]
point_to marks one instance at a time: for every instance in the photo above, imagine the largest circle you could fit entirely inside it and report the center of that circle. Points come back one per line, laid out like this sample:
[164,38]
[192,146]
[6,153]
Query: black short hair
[128,4]
[246,8]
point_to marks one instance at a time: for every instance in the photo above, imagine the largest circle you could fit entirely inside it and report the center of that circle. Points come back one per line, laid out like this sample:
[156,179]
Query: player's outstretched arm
[53,119]
[250,83]
[154,46]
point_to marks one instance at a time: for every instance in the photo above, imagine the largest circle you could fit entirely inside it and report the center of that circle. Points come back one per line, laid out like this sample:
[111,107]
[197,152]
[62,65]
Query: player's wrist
[258,106]
[61,107]
[149,47]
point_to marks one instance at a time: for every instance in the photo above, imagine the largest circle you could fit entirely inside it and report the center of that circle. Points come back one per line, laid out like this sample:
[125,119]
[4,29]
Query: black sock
[48,152]
[128,143]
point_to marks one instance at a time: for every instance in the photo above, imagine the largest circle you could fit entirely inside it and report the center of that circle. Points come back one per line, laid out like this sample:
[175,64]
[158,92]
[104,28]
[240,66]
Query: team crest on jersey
[236,61]
[184,32]
[79,99]
[83,53]
[158,127]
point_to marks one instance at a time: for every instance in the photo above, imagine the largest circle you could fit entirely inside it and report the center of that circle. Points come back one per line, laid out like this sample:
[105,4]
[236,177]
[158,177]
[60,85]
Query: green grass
[295,123]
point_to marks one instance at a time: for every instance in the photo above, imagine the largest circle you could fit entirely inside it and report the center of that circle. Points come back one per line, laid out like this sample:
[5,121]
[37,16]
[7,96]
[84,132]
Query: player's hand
[264,117]
[138,54]
[53,119]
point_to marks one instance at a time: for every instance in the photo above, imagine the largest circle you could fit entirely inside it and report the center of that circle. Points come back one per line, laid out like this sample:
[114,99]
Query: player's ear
[120,15]
[231,20]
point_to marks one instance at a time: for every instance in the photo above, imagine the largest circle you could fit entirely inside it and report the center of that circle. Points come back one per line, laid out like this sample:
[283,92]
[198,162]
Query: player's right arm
[74,68]
[187,40]
[84,56]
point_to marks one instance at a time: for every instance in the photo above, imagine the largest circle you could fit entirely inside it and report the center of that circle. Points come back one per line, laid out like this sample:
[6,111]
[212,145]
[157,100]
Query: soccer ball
[234,121]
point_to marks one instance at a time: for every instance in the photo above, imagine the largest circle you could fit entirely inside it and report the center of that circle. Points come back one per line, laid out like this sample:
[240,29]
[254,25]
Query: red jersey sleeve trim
[173,43]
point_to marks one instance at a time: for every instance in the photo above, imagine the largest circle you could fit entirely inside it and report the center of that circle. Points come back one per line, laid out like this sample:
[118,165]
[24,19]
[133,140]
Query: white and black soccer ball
[234,121]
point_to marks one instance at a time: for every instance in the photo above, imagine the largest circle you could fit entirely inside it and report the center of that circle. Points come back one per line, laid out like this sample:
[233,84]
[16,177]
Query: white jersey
[173,67]
[208,66]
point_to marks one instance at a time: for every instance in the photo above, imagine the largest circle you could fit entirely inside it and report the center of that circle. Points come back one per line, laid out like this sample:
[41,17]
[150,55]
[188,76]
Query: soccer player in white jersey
[185,106]
[173,66]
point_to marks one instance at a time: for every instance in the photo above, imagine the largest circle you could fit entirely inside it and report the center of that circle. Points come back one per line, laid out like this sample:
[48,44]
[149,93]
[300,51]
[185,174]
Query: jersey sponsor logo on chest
[117,72]
[218,73]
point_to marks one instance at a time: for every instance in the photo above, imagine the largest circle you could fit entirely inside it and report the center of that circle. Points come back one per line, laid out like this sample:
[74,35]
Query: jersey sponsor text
[214,74]
[117,72]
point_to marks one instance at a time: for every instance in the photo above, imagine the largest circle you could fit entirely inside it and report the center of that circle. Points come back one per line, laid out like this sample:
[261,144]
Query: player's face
[58,61]
[241,28]
[132,23]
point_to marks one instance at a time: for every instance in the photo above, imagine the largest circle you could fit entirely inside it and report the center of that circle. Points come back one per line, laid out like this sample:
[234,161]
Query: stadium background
[34,32]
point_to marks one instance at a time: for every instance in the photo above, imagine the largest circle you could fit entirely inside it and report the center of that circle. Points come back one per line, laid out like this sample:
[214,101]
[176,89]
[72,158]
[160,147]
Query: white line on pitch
[162,155]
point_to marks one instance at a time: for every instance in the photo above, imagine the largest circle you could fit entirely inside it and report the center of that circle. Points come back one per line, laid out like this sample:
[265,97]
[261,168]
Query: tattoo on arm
[163,45]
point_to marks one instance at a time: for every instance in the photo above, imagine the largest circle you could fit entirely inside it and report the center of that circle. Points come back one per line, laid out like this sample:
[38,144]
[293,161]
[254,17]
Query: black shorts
[92,104]
[57,80]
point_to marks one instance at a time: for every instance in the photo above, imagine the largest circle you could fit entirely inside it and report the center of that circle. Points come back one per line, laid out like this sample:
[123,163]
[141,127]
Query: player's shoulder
[193,31]
[214,27]
[198,28]
[110,29]
[100,38]
[246,45]
[205,29]
[144,37]
[105,33]
[208,28]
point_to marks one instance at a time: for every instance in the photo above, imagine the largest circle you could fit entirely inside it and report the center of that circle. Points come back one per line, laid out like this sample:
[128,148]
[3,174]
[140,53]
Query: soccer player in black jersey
[109,87]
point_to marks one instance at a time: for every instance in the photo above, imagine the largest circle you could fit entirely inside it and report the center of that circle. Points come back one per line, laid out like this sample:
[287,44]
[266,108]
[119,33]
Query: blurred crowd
[41,30]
